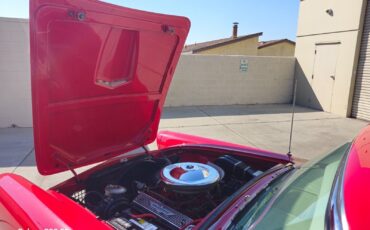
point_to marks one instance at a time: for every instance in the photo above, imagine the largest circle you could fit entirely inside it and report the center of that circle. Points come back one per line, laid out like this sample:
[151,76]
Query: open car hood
[100,74]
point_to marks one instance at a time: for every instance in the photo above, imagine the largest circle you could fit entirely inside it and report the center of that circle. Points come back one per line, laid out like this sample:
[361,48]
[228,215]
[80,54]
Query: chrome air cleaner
[191,177]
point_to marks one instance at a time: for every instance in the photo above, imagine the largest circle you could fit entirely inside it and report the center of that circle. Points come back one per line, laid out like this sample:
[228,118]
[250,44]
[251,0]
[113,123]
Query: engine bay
[173,190]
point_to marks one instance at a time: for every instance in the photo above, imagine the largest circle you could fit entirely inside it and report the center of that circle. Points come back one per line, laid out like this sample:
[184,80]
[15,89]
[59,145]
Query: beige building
[242,45]
[282,47]
[332,51]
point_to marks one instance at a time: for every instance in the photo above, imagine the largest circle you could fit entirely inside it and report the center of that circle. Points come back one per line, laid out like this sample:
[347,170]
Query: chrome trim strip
[335,217]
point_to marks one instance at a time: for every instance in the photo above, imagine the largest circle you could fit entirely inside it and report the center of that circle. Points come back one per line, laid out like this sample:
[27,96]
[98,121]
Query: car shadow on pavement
[16,147]
[231,110]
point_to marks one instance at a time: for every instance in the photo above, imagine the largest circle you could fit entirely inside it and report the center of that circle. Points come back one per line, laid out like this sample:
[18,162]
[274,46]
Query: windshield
[296,202]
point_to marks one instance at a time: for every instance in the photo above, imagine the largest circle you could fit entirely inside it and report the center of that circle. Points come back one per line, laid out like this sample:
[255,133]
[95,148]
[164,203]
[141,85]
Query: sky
[211,19]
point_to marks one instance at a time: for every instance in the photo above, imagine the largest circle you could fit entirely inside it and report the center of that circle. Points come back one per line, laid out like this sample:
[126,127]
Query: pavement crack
[227,127]
[23,159]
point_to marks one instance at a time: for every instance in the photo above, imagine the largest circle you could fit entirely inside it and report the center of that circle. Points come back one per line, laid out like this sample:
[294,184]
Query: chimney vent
[235,29]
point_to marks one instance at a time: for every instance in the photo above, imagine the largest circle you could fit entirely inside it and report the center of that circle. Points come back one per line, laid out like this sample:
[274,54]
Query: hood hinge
[145,149]
[74,174]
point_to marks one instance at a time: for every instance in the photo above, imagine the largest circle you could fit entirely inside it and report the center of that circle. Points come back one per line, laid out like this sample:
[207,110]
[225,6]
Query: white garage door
[361,98]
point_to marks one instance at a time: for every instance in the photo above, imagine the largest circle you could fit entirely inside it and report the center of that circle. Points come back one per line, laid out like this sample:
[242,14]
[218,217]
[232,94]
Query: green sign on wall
[243,65]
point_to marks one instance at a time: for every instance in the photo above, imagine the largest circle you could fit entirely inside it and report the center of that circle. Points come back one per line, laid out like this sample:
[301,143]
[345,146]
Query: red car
[100,74]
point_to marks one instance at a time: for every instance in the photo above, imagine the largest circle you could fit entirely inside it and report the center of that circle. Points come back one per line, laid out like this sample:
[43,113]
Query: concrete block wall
[199,79]
[15,82]
[218,80]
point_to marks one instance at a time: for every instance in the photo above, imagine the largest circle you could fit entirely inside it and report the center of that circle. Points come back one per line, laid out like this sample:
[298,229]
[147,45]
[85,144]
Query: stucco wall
[15,83]
[280,49]
[217,80]
[344,73]
[316,26]
[313,18]
[244,47]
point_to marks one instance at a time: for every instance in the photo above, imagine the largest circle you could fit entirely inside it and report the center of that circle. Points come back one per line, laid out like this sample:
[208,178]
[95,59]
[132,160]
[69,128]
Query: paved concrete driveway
[263,126]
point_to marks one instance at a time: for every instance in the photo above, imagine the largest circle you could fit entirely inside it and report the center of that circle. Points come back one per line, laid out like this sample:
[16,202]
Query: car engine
[162,192]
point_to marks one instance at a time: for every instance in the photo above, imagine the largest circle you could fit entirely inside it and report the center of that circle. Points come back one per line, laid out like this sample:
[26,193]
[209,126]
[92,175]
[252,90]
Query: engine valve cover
[172,218]
[190,176]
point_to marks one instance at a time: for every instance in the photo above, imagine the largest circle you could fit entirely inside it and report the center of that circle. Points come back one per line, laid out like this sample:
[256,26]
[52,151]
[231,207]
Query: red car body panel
[356,184]
[24,205]
[166,139]
[100,74]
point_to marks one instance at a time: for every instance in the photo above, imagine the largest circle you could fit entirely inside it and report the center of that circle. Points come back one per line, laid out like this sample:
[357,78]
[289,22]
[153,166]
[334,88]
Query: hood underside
[100,74]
